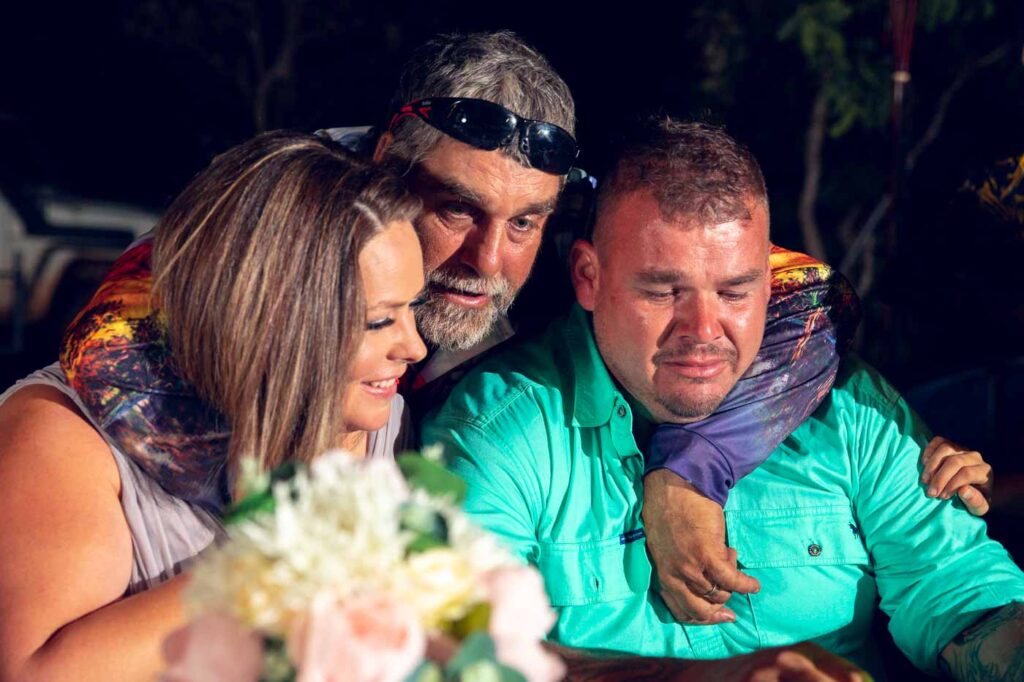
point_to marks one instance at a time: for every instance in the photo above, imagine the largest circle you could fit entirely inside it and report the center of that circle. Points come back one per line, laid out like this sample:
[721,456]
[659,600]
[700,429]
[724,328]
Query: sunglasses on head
[488,126]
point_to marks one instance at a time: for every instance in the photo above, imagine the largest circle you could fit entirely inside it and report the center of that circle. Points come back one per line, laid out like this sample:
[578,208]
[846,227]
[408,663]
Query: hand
[798,663]
[952,469]
[686,538]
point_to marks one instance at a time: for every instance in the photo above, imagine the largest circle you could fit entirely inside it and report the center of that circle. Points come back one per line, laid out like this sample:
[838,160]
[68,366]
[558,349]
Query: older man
[673,296]
[484,127]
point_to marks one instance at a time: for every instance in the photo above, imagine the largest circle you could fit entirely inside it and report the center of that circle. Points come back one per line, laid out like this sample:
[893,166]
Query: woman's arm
[67,553]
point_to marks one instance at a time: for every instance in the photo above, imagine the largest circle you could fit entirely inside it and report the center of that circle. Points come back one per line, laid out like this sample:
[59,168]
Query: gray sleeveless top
[167,532]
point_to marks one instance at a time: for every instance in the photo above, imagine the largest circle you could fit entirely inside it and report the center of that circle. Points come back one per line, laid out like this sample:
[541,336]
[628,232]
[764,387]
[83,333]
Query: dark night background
[125,101]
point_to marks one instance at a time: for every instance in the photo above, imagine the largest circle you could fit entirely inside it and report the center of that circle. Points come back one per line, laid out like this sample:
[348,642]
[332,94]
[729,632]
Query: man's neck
[643,423]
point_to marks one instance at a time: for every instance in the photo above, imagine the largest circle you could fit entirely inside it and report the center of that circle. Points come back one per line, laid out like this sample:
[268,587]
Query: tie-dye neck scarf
[116,358]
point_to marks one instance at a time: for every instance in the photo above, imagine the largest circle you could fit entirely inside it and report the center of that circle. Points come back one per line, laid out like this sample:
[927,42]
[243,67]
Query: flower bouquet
[360,570]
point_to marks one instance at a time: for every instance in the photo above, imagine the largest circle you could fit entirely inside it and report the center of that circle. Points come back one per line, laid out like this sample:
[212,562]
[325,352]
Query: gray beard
[449,326]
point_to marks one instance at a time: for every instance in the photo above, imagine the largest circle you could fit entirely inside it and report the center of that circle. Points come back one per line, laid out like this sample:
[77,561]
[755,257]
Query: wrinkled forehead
[490,180]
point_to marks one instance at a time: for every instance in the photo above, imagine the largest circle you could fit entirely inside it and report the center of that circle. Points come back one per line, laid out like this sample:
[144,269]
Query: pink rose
[213,648]
[520,618]
[366,639]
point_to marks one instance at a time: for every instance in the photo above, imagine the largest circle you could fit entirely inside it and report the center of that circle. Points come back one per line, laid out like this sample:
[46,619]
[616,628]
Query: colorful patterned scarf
[116,357]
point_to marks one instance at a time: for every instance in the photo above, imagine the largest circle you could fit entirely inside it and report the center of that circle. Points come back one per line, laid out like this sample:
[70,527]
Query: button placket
[622,432]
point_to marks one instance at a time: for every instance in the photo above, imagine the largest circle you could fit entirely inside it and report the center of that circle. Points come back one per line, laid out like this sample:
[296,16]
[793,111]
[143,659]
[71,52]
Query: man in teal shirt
[672,297]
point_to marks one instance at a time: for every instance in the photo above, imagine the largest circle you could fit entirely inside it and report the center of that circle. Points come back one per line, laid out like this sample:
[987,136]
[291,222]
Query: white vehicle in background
[54,251]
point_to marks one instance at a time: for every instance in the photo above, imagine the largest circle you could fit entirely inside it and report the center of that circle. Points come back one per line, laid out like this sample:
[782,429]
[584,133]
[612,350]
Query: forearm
[583,666]
[991,649]
[799,661]
[120,641]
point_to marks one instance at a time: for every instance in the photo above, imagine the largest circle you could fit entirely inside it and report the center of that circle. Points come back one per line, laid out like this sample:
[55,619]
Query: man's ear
[383,142]
[584,268]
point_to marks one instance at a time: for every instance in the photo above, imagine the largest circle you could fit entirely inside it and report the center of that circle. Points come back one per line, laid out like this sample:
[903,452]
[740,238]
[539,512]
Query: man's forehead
[638,236]
[626,217]
[486,179]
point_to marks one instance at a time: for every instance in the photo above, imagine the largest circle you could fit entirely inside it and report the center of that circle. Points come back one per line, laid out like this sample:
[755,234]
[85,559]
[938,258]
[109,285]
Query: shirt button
[814,550]
[621,411]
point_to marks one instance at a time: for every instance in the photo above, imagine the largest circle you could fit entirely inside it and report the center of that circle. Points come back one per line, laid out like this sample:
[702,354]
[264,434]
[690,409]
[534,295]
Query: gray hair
[498,67]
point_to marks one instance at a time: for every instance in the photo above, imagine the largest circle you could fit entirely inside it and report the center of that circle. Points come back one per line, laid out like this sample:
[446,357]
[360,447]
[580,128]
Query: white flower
[332,561]
[440,585]
[333,529]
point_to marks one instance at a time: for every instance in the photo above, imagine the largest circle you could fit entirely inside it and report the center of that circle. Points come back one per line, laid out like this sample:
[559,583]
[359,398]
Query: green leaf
[478,647]
[432,477]
[252,505]
[423,519]
[285,471]
[261,499]
[481,671]
[510,674]
[428,671]
[422,543]
[277,667]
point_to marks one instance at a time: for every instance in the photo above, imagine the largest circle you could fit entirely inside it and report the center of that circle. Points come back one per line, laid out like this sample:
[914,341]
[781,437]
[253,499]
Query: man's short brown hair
[694,171]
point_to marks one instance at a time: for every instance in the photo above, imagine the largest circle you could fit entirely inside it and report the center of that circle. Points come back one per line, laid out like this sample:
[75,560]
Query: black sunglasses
[488,126]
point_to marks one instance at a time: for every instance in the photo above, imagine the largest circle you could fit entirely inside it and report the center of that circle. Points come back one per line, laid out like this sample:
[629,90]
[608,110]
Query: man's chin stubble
[689,411]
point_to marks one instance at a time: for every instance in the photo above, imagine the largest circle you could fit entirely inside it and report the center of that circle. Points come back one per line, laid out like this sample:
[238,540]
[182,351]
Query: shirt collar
[594,391]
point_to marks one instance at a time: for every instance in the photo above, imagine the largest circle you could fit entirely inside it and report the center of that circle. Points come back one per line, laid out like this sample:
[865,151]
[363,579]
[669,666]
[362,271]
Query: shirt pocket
[815,574]
[583,573]
[825,535]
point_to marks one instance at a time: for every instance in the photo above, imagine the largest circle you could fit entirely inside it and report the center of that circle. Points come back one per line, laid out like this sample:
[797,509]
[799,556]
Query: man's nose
[698,318]
[482,249]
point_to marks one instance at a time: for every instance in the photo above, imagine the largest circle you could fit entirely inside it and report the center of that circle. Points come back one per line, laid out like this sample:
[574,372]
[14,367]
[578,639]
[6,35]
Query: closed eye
[457,210]
[657,295]
[734,296]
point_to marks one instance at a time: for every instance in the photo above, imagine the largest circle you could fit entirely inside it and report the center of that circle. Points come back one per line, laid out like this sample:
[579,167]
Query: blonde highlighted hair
[256,270]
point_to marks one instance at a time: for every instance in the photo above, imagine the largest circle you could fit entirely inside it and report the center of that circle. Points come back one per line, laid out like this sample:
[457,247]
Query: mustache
[490,286]
[696,351]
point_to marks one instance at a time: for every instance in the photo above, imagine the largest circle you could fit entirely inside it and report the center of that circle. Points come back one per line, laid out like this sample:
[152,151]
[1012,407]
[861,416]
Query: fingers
[727,578]
[958,471]
[942,459]
[696,595]
[789,666]
[832,666]
[796,668]
[691,608]
[937,450]
[932,446]
[972,498]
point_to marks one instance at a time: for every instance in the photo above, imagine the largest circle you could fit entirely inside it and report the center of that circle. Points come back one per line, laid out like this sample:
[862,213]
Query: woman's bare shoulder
[40,428]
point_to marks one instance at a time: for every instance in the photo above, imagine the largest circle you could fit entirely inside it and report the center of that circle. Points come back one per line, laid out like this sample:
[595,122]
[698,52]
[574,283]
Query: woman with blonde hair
[284,277]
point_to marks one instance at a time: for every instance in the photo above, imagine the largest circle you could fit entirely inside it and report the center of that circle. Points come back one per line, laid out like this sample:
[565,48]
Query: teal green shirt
[833,520]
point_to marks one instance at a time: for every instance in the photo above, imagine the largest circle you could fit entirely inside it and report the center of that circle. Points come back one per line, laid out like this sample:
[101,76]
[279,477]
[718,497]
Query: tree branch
[939,117]
[865,239]
[813,143]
